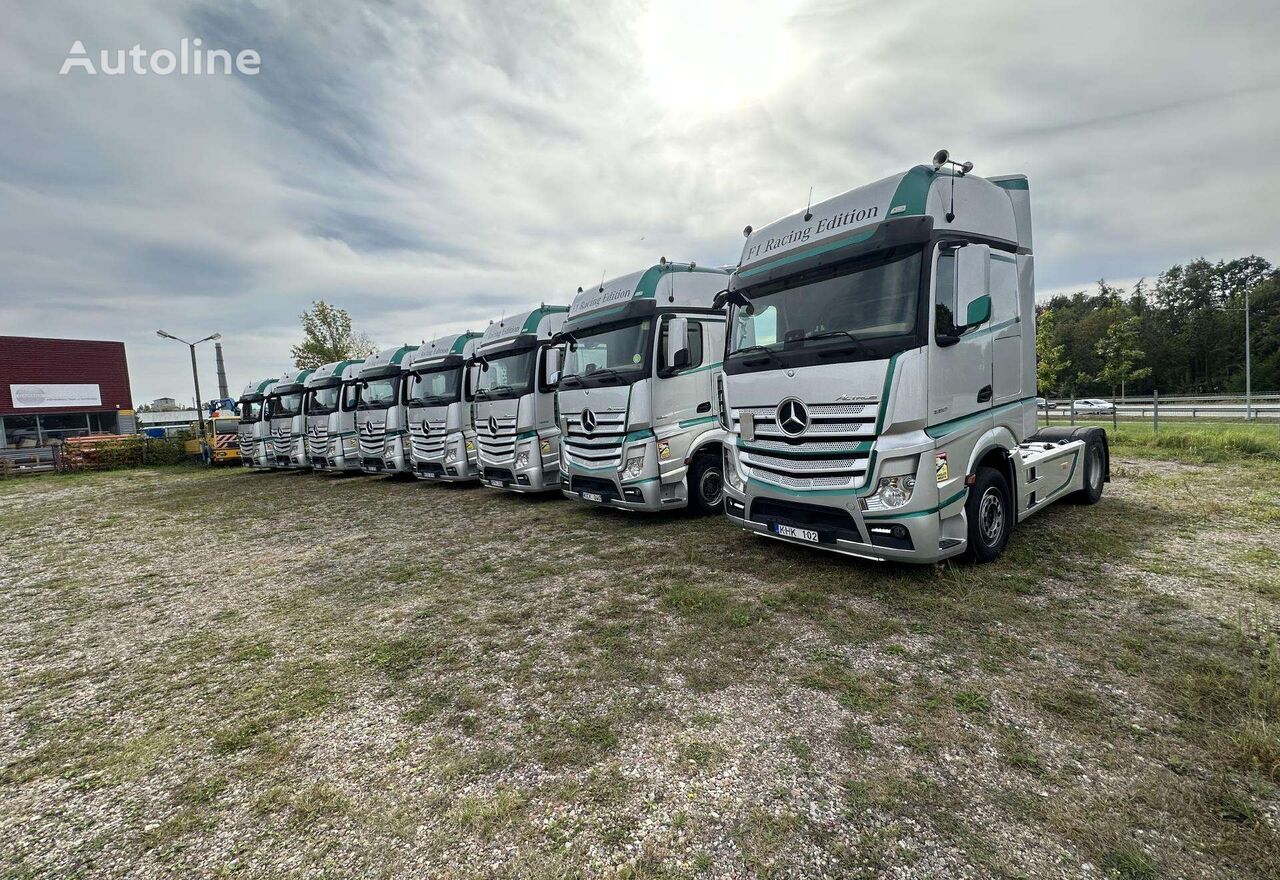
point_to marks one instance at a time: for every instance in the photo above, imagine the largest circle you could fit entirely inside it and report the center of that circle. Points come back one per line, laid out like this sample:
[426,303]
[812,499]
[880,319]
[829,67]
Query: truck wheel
[1095,470]
[706,484]
[989,511]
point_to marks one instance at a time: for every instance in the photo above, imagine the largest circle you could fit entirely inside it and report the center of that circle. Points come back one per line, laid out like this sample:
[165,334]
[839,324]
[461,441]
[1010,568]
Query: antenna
[808,215]
[603,272]
[943,157]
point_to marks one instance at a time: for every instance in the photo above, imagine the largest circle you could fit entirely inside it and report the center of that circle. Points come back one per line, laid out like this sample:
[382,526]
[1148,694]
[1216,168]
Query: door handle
[985,394]
[704,407]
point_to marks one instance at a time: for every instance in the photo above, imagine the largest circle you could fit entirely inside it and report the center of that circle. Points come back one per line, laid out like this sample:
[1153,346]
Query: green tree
[328,337]
[1118,349]
[1051,359]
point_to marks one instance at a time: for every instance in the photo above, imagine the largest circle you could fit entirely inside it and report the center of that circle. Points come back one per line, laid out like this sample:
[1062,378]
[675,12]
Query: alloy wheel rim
[991,516]
[711,487]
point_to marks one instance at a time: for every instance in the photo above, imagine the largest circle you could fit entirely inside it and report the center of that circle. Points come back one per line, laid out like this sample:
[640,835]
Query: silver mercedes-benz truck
[517,436]
[287,416]
[442,437]
[638,419]
[879,378]
[331,417]
[380,412]
[254,435]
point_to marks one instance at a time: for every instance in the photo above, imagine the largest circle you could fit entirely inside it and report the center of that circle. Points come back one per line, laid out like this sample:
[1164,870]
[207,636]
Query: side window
[693,343]
[350,397]
[944,294]
[1004,289]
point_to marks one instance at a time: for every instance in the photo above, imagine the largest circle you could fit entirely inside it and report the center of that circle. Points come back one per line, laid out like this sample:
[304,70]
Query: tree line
[1183,334]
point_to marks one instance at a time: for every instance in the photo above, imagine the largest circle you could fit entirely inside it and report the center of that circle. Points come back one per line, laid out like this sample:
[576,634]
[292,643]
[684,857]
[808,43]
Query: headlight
[634,466]
[890,494]
[349,443]
[522,460]
[731,473]
[451,454]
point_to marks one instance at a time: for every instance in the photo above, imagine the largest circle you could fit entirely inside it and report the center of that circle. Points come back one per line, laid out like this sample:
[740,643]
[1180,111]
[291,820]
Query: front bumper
[839,525]
[393,460]
[539,476]
[460,469]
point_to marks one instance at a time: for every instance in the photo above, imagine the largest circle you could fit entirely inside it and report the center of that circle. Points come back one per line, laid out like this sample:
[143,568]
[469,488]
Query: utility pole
[1248,364]
[195,372]
[223,392]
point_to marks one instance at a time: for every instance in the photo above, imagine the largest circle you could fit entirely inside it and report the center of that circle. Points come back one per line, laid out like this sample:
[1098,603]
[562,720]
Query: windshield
[225,426]
[379,393]
[250,411]
[284,405]
[611,352]
[508,375]
[435,387]
[322,401]
[876,298]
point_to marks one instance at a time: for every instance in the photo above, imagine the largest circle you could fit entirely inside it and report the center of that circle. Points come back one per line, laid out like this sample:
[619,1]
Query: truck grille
[318,439]
[246,446]
[496,447]
[372,442]
[599,448]
[282,442]
[428,443]
[832,452]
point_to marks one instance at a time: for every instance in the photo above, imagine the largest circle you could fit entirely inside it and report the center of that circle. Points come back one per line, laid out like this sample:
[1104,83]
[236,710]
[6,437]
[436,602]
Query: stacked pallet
[102,452]
[17,462]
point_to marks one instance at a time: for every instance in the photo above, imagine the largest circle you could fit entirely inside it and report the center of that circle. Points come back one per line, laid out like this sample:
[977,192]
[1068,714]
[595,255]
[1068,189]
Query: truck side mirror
[677,343]
[551,364]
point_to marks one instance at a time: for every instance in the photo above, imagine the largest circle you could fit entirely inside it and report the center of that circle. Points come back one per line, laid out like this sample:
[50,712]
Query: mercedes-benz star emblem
[368,428]
[588,421]
[793,417]
[426,428]
[493,426]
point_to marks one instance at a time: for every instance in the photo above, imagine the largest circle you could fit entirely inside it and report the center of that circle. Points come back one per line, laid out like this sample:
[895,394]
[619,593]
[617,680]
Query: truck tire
[1096,467]
[989,510]
[706,484]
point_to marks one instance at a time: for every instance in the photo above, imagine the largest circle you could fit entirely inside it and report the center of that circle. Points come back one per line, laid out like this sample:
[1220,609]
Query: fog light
[634,466]
[522,460]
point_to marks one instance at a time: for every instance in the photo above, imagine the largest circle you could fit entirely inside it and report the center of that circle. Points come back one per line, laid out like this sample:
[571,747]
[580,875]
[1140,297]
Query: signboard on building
[49,396]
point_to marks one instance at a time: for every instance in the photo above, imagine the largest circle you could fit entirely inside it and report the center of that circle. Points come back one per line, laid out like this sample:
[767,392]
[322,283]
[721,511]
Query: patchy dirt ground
[242,674]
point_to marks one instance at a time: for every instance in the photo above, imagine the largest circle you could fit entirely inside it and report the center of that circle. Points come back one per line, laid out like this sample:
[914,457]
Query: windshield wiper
[828,334]
[571,377]
[496,389]
[604,371]
[770,355]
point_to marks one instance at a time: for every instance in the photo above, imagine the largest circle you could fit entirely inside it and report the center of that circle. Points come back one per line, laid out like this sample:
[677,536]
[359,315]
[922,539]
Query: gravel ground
[262,675]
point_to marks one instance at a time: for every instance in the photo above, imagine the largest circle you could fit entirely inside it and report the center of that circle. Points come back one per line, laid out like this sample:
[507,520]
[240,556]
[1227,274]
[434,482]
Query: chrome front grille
[598,448]
[318,439]
[496,447]
[832,452]
[427,442]
[282,442]
[373,442]
[246,445]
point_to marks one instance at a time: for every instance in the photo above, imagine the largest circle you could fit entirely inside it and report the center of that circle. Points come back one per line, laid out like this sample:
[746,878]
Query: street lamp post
[195,373]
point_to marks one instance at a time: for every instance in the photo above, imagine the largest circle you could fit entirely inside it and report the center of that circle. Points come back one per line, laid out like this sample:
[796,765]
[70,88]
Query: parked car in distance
[1095,405]
[1041,403]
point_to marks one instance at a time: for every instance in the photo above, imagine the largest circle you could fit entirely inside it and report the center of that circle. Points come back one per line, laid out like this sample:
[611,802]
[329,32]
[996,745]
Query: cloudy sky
[430,166]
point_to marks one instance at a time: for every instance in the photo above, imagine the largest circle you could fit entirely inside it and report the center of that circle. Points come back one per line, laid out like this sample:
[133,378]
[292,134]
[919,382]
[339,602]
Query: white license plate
[792,532]
[592,496]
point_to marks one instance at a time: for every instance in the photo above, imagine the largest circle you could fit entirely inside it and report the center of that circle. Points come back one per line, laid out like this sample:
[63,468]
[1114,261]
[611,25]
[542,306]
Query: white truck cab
[517,436]
[254,434]
[286,412]
[879,378]
[380,412]
[442,437]
[638,419]
[331,416]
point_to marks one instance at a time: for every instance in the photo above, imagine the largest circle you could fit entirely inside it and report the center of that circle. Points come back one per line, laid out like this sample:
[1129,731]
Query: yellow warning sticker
[546,447]
[940,465]
[664,449]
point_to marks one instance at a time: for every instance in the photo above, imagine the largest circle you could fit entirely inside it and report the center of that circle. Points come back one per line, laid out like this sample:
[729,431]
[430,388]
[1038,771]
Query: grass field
[240,674]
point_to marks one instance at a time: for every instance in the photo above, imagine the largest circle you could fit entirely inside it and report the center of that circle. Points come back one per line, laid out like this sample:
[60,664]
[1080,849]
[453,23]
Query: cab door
[960,354]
